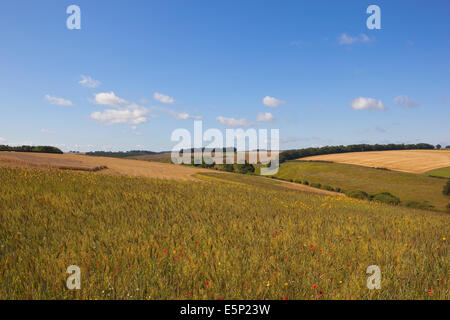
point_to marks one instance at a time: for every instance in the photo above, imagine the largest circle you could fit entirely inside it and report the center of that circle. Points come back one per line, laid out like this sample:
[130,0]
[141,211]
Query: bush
[245,168]
[328,188]
[316,185]
[358,194]
[386,197]
[446,190]
[424,205]
[228,167]
[306,183]
[448,207]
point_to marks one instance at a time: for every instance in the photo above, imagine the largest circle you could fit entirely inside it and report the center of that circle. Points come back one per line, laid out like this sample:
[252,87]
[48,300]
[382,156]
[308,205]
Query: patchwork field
[406,186]
[415,161]
[141,238]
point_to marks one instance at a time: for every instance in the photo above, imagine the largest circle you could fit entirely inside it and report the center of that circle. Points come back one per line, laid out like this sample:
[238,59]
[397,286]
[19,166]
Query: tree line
[42,149]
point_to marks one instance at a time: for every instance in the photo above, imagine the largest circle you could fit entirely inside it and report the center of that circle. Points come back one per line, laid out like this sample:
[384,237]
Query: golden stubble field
[414,161]
[127,167]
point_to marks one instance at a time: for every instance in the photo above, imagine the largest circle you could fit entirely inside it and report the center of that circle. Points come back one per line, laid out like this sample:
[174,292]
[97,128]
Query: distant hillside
[41,149]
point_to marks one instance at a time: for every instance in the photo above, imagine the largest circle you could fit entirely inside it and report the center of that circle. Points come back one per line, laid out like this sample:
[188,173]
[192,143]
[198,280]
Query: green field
[138,238]
[406,186]
[442,173]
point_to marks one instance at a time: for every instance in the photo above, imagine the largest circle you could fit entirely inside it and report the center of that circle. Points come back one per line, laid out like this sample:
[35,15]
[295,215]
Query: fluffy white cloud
[132,114]
[163,98]
[58,101]
[362,103]
[88,82]
[109,99]
[232,122]
[2,140]
[265,117]
[344,39]
[272,102]
[405,101]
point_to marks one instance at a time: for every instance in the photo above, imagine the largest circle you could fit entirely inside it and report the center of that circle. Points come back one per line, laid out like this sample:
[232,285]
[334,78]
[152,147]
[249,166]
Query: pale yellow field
[414,161]
[127,167]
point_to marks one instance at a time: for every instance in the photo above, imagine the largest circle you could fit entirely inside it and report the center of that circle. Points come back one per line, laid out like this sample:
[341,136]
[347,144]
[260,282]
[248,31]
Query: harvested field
[414,161]
[88,163]
[36,160]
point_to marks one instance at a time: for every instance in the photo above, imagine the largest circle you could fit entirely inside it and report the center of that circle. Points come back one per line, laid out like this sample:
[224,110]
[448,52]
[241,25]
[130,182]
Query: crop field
[141,238]
[415,161]
[255,180]
[406,186]
[441,173]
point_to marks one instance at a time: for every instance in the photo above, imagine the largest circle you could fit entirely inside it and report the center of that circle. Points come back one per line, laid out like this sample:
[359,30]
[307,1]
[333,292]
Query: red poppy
[314,287]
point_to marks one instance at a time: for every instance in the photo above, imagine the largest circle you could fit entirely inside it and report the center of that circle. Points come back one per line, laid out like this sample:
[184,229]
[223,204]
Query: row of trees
[42,149]
[301,153]
[239,167]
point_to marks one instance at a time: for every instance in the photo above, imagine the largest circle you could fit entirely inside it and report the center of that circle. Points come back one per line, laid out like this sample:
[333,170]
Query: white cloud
[180,115]
[132,114]
[109,99]
[362,103]
[163,98]
[58,101]
[265,117]
[345,39]
[47,131]
[88,82]
[405,101]
[272,102]
[231,122]
[2,140]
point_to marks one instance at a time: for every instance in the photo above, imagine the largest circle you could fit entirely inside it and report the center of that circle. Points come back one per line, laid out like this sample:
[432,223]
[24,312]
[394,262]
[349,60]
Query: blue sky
[154,66]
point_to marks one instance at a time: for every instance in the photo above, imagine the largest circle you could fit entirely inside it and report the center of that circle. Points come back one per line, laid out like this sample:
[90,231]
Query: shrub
[448,207]
[246,168]
[316,185]
[228,167]
[328,188]
[446,190]
[306,183]
[424,205]
[358,194]
[386,197]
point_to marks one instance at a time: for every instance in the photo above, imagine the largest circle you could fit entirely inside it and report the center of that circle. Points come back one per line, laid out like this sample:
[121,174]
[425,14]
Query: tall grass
[137,238]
